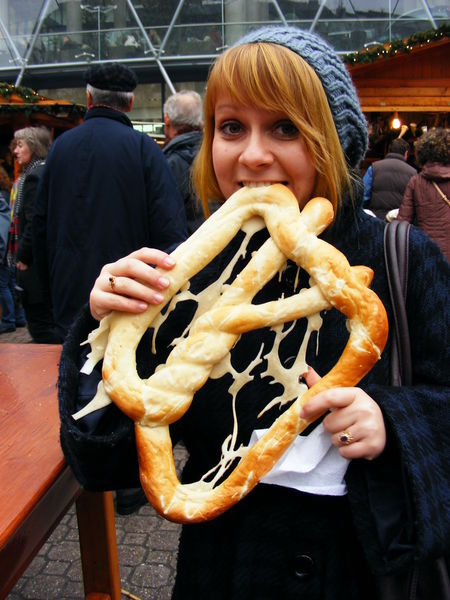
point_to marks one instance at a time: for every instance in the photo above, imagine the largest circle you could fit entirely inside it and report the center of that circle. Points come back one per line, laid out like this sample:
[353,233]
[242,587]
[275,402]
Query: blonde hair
[274,78]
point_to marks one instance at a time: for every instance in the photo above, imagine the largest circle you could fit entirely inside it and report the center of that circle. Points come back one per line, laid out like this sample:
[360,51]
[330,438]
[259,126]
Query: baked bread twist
[164,397]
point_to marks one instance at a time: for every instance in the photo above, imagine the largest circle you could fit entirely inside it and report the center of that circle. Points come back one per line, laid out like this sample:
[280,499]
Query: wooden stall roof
[417,81]
[22,107]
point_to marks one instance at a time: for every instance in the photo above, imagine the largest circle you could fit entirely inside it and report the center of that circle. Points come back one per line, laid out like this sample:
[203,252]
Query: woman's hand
[355,421]
[131,284]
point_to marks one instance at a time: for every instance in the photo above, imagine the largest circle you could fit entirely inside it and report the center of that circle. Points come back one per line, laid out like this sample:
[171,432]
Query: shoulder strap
[396,244]
[441,193]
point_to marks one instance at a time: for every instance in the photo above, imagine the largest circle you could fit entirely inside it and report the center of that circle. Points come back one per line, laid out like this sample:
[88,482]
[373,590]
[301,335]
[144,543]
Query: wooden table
[36,486]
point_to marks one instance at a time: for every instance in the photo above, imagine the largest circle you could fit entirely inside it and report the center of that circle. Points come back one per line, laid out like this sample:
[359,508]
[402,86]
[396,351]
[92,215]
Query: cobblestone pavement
[147,546]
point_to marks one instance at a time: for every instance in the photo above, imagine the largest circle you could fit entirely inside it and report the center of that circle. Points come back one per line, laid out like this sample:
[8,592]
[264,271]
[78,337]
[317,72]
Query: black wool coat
[29,280]
[390,178]
[106,191]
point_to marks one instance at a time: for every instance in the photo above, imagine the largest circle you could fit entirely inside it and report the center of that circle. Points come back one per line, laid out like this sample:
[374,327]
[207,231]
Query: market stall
[23,107]
[404,87]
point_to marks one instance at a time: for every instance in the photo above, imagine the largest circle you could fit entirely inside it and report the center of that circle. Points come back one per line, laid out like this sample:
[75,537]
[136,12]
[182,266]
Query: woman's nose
[256,152]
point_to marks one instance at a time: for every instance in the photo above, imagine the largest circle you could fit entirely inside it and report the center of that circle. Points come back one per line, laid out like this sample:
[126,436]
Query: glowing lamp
[396,123]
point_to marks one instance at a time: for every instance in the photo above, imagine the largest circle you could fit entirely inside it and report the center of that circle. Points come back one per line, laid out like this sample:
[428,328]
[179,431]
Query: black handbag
[428,580]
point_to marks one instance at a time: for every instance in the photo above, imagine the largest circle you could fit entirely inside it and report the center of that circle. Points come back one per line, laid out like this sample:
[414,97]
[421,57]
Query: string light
[369,55]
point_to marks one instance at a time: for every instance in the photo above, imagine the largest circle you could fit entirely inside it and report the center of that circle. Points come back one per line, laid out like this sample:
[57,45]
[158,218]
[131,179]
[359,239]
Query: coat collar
[108,113]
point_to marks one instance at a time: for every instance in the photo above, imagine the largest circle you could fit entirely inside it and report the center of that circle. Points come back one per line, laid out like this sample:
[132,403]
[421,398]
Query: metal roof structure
[173,40]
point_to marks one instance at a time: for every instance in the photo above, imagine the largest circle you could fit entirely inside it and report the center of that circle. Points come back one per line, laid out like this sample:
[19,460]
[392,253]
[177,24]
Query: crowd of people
[371,514]
[394,189]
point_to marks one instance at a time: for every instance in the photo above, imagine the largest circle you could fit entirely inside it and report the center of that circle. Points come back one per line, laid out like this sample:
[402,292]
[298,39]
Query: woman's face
[253,145]
[23,153]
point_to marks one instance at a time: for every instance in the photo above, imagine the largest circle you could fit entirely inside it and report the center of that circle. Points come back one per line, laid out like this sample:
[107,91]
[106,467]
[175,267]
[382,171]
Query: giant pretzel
[164,397]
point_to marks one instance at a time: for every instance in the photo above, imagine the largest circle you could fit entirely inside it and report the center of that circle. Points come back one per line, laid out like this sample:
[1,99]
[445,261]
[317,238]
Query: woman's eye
[286,129]
[230,127]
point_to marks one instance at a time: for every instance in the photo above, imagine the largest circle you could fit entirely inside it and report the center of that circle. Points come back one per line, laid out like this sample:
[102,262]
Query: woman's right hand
[131,284]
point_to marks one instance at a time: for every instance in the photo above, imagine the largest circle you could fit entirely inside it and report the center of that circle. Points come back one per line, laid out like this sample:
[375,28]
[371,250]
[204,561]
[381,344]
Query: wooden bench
[36,486]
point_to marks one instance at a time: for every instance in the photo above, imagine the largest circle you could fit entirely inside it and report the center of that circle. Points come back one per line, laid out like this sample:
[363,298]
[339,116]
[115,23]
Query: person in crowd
[385,180]
[280,107]
[30,148]
[8,314]
[13,314]
[183,125]
[106,191]
[426,201]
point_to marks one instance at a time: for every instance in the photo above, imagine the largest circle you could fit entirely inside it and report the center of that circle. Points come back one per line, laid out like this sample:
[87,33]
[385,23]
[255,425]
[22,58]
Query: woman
[280,107]
[426,200]
[30,147]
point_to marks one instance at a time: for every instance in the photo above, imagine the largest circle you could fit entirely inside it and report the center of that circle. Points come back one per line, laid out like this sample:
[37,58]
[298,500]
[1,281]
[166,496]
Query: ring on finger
[346,438]
[112,282]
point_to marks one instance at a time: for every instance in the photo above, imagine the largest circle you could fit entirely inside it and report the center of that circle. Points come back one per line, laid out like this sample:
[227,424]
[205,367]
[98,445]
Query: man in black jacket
[385,180]
[183,125]
[106,190]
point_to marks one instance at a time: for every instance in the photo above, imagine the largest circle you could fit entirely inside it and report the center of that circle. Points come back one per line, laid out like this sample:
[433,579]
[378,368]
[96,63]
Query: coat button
[303,566]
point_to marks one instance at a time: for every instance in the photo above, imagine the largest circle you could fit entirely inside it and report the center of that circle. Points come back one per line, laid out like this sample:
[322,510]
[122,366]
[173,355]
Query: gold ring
[346,438]
[112,282]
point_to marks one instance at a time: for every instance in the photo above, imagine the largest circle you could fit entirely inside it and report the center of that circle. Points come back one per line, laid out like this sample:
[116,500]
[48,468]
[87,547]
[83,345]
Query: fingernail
[169,261]
[157,298]
[163,282]
[142,306]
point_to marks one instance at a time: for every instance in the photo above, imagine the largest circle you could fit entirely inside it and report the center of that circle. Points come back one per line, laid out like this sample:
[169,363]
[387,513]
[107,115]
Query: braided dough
[163,398]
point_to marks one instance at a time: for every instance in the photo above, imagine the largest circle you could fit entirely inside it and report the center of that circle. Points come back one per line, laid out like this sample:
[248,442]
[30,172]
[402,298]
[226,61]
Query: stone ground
[147,546]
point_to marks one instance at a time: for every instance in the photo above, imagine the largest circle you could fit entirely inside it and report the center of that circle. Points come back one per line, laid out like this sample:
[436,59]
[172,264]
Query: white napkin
[312,464]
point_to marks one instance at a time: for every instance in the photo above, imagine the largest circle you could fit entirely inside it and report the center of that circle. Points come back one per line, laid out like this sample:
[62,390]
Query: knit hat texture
[113,77]
[342,98]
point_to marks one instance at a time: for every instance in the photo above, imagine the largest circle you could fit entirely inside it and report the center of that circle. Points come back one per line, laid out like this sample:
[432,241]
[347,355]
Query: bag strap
[441,193]
[396,245]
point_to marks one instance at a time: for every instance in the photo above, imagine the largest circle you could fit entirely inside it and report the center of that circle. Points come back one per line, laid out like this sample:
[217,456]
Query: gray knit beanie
[341,94]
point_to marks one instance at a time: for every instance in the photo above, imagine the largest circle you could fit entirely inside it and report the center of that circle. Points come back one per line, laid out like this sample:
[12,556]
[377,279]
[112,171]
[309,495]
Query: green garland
[30,106]
[55,110]
[374,53]
[27,94]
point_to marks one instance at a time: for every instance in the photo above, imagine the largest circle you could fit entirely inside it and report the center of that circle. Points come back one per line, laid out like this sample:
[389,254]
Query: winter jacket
[278,542]
[390,178]
[180,153]
[106,190]
[423,204]
[29,280]
[5,217]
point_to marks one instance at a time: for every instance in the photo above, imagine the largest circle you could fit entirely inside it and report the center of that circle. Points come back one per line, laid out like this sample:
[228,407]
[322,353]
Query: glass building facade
[48,44]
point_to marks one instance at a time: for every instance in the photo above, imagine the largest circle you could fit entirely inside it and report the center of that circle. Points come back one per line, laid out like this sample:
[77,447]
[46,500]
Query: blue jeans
[12,311]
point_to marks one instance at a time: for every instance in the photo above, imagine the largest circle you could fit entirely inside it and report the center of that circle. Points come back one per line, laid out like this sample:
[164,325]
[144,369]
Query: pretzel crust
[163,398]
